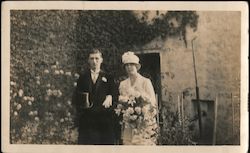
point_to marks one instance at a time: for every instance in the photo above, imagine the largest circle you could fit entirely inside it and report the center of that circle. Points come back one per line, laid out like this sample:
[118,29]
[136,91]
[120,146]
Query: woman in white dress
[136,84]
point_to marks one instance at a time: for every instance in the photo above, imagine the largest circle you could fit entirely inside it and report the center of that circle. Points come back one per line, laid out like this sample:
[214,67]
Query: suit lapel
[90,82]
[99,80]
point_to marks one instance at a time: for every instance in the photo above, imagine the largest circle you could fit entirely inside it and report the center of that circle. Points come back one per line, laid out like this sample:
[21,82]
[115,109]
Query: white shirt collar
[95,72]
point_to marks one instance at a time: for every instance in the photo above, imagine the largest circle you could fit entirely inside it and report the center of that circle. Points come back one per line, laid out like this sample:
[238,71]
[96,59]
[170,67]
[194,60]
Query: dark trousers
[96,129]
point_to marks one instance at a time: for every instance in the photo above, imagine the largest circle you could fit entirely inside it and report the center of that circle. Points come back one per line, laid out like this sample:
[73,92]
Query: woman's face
[131,68]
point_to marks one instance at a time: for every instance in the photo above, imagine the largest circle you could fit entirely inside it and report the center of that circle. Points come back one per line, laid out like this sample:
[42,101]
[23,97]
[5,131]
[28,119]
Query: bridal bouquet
[136,110]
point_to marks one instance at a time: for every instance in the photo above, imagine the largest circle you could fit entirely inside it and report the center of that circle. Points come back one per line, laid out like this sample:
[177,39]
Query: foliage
[43,114]
[175,131]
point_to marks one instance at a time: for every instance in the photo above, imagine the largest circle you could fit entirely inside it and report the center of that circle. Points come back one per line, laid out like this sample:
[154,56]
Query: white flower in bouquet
[144,109]
[68,114]
[123,98]
[118,111]
[131,101]
[75,84]
[119,106]
[133,117]
[130,110]
[138,110]
[154,112]
[147,116]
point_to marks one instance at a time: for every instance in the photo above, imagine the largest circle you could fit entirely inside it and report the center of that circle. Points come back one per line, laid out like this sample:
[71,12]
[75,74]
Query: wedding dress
[148,133]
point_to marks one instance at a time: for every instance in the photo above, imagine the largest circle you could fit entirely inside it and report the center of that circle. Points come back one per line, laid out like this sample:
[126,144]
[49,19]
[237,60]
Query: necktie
[94,77]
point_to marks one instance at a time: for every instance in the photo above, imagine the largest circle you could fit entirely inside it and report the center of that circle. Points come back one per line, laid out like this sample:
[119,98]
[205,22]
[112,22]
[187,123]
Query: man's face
[95,61]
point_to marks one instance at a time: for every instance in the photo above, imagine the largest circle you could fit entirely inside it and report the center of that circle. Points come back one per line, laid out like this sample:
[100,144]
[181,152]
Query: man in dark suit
[95,115]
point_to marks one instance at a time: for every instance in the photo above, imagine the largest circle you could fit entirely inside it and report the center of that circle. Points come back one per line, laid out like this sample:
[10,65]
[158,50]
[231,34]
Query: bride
[138,86]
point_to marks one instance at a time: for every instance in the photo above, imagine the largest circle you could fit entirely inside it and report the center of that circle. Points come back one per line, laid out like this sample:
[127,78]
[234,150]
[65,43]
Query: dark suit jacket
[97,94]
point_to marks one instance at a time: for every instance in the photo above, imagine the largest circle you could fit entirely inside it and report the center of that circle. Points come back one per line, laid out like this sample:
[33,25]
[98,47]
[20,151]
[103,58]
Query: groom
[95,114]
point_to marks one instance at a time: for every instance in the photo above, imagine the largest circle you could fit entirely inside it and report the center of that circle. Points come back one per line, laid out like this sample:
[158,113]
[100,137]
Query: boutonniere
[104,79]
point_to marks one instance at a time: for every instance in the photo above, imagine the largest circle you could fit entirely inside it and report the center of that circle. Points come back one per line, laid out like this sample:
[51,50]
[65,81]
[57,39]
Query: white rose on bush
[30,103]
[46,71]
[15,113]
[68,73]
[36,118]
[61,71]
[19,106]
[20,93]
[77,75]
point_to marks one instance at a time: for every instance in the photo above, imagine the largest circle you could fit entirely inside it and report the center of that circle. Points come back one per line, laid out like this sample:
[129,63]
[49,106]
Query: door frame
[158,95]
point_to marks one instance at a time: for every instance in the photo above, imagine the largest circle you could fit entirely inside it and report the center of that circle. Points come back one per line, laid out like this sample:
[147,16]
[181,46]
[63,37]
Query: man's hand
[108,101]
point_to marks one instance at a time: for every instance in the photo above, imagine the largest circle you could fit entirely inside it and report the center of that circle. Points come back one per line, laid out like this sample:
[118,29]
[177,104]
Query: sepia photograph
[111,76]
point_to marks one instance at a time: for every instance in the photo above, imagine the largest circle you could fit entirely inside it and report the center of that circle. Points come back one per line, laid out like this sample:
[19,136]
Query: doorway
[150,68]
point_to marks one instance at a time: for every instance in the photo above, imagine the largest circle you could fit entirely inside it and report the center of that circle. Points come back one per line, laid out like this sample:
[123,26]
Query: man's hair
[95,51]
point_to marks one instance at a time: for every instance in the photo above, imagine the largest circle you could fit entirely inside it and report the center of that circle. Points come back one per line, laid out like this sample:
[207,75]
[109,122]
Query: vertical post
[197,92]
[179,110]
[215,120]
[182,111]
[232,114]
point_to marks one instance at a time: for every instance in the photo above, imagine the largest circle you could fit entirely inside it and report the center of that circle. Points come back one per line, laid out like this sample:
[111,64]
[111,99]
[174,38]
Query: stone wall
[217,59]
